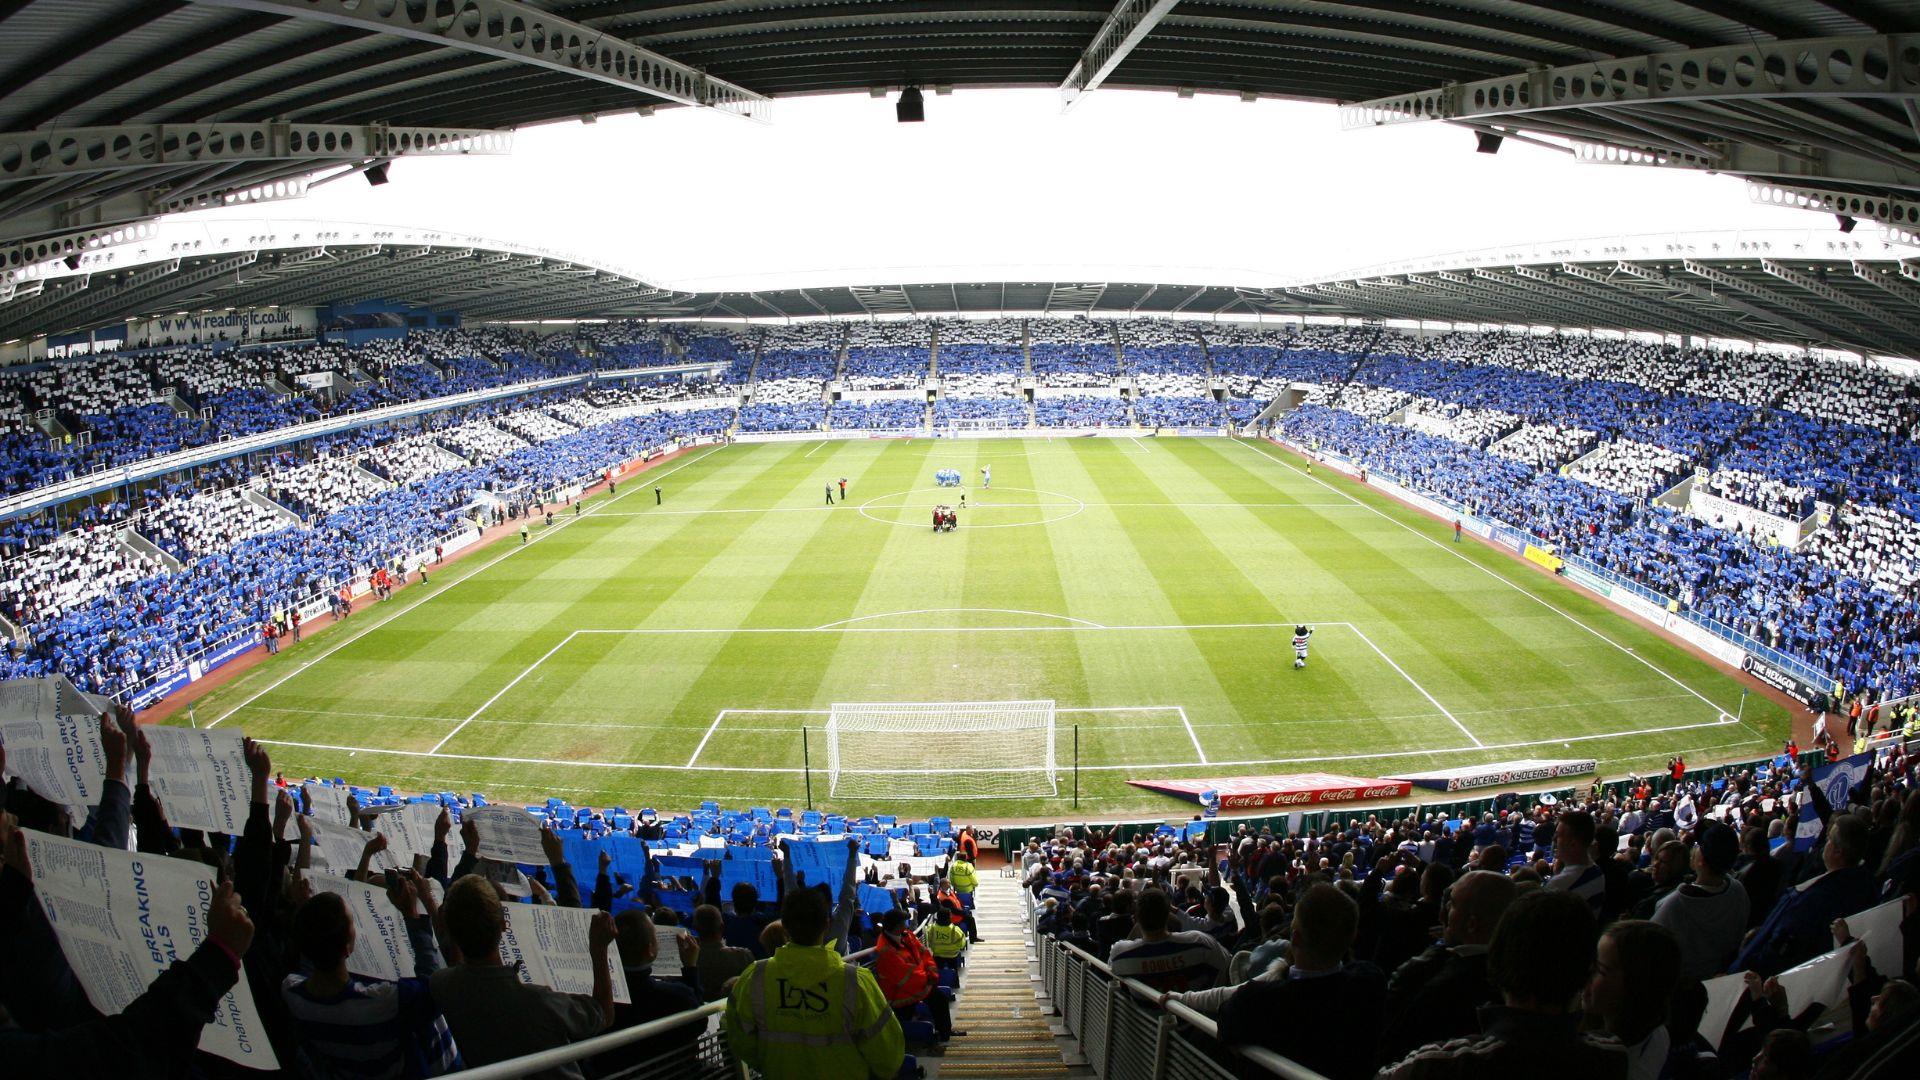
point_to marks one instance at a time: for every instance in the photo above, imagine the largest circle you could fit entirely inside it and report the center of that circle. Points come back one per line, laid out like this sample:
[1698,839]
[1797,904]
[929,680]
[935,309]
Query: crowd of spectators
[884,414]
[1080,410]
[1868,639]
[1641,470]
[109,619]
[1576,934]
[673,902]
[887,355]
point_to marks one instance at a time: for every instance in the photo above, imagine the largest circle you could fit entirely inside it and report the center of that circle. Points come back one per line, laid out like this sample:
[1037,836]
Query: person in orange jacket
[969,845]
[908,975]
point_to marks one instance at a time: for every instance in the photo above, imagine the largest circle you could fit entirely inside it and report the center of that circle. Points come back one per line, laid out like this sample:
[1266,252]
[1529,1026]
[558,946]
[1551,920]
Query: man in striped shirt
[1574,869]
[1180,960]
[362,1028]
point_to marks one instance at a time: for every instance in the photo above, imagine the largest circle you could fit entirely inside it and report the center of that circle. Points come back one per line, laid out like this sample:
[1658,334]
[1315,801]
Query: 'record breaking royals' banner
[52,734]
[122,918]
[547,946]
[1292,789]
[201,777]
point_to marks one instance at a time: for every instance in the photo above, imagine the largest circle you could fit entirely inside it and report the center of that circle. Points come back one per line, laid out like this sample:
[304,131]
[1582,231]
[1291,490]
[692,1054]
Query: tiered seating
[799,416]
[1071,352]
[1872,545]
[1080,411]
[1179,412]
[407,460]
[482,441]
[881,415]
[1777,497]
[322,487]
[66,573]
[535,425]
[1641,470]
[190,527]
[891,355]
[1001,411]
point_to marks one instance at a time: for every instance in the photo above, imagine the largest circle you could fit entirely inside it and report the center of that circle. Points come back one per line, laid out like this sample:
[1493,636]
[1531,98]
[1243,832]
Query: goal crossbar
[941,750]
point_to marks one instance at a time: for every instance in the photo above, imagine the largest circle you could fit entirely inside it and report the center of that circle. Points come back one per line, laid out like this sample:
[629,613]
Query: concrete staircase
[1007,1034]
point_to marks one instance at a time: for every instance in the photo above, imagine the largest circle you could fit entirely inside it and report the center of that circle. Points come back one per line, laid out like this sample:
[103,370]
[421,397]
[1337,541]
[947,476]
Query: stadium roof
[1815,288]
[114,110]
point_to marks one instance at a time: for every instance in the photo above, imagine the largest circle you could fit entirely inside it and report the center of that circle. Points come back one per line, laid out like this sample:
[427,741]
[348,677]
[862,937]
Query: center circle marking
[1078,507]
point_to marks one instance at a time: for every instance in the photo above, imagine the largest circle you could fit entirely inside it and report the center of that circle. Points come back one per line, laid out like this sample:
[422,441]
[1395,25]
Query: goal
[941,750]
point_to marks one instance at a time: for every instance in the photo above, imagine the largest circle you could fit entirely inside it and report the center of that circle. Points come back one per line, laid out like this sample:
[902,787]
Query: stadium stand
[1828,441]
[1305,936]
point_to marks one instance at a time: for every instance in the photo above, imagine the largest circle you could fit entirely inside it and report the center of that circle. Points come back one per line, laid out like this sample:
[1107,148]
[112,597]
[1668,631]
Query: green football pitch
[647,655]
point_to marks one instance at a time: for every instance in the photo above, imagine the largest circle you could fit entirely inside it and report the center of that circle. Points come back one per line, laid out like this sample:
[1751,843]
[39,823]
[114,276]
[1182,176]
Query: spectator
[1320,1010]
[650,998]
[1798,927]
[1437,995]
[1540,959]
[1636,967]
[1163,959]
[719,963]
[1574,869]
[1708,914]
[355,1027]
[494,1016]
[908,975]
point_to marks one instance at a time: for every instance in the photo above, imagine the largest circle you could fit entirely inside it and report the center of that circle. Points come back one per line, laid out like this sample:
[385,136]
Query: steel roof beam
[1854,66]
[1127,26]
[1891,281]
[26,155]
[525,35]
[1581,309]
[1837,297]
[1598,286]
[1773,318]
[145,286]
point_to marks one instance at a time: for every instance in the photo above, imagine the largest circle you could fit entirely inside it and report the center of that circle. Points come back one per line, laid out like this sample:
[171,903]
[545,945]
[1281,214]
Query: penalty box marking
[1071,625]
[721,716]
[1724,721]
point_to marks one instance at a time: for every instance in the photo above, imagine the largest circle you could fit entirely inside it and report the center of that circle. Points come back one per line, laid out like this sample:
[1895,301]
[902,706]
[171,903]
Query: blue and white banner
[1835,782]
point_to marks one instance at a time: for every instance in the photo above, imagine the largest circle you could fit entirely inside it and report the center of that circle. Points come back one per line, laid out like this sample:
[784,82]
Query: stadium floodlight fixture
[377,174]
[1846,222]
[1487,142]
[911,108]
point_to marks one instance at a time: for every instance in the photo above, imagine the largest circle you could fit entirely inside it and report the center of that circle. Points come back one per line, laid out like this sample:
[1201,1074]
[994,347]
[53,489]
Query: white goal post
[941,750]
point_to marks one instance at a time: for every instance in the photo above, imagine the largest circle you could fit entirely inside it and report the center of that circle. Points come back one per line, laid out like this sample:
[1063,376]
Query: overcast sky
[998,180]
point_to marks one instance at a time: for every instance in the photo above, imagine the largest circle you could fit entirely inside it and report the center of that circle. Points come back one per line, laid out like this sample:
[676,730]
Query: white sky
[1198,190]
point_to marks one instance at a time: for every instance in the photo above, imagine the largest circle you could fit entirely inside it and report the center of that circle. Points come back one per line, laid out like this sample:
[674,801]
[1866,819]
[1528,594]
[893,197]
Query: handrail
[585,1048]
[1277,1064]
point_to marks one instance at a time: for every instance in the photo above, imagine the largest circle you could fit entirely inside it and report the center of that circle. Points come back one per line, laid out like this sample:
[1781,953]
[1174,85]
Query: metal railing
[1126,1034]
[707,1057]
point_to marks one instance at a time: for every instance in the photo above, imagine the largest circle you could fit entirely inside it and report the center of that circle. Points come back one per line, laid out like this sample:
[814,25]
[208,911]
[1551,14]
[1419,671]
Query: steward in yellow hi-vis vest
[962,875]
[807,1014]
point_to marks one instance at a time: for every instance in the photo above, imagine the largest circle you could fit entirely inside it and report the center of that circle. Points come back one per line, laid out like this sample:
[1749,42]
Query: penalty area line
[485,705]
[1515,586]
[1136,766]
[1411,681]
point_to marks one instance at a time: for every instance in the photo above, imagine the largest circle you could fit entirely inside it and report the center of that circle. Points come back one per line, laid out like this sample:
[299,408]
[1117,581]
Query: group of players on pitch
[945,517]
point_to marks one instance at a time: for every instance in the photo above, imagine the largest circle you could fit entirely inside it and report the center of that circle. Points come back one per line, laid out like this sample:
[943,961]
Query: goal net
[941,750]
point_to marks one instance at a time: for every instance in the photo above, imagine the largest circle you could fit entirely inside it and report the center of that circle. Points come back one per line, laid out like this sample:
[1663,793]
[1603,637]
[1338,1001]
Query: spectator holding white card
[494,1016]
